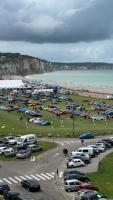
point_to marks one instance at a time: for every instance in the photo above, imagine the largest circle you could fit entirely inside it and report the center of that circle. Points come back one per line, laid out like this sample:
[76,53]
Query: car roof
[31,181]
[3,183]
[72,180]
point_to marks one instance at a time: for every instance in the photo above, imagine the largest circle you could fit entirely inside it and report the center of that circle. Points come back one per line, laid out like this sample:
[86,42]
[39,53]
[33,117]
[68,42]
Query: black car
[10,195]
[108,140]
[79,177]
[31,185]
[72,171]
[4,186]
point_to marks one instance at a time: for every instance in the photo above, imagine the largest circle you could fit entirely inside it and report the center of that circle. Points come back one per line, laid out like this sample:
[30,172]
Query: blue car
[87,136]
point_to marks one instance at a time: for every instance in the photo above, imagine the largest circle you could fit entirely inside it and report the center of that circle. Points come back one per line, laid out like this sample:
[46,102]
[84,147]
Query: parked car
[83,157]
[95,148]
[31,185]
[78,153]
[87,150]
[12,140]
[10,195]
[4,186]
[100,146]
[23,154]
[88,186]
[2,149]
[108,140]
[34,147]
[82,178]
[75,163]
[9,152]
[71,185]
[87,136]
[89,195]
[72,171]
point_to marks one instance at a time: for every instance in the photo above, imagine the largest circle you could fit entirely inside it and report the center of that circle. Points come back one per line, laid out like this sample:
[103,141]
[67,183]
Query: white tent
[43,91]
[11,84]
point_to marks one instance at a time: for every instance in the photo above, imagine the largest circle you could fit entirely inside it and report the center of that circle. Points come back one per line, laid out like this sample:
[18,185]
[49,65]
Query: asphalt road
[44,169]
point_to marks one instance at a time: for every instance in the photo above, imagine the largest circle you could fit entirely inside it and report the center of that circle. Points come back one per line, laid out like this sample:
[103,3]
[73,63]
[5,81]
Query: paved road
[44,170]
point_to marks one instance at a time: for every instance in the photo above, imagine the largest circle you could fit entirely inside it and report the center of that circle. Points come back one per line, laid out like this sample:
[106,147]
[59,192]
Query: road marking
[35,177]
[60,174]
[50,175]
[17,178]
[61,143]
[53,173]
[72,142]
[40,177]
[22,177]
[14,181]
[55,155]
[6,180]
[28,177]
[45,176]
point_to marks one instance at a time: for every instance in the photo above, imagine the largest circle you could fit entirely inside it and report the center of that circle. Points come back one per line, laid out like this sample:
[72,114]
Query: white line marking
[17,178]
[50,175]
[28,177]
[14,181]
[60,174]
[33,176]
[22,177]
[45,176]
[55,155]
[40,177]
[53,173]
[61,143]
[6,180]
[72,142]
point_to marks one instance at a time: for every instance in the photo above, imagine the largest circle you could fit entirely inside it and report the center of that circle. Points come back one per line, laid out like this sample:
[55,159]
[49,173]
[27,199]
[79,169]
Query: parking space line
[6,180]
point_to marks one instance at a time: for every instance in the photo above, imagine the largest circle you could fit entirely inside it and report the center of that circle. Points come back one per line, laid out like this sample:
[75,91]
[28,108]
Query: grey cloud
[50,21]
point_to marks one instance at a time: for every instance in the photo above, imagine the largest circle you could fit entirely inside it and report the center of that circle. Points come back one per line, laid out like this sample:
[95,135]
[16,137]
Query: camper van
[27,139]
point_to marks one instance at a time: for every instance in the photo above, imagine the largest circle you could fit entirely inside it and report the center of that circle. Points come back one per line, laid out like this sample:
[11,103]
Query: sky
[58,30]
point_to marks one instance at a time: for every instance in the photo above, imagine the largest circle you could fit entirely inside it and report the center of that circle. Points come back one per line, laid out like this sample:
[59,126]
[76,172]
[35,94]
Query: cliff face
[16,64]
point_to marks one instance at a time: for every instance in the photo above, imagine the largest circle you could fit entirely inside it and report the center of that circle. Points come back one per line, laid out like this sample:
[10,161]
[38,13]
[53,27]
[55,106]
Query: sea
[80,78]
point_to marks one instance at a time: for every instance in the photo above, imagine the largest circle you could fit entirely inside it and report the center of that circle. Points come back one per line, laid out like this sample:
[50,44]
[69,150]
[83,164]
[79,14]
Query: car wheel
[69,190]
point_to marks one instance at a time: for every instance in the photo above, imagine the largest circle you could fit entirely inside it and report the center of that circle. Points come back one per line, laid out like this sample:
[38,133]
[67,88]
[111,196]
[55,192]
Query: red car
[88,187]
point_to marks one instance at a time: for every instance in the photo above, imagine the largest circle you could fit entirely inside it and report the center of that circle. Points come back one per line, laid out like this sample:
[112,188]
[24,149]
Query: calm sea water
[95,78]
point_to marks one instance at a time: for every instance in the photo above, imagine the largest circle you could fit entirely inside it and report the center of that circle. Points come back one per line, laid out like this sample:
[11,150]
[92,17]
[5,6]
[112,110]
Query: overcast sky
[58,30]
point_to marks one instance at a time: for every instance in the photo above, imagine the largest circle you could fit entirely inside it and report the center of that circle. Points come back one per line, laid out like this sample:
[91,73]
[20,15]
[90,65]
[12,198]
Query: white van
[29,139]
[87,150]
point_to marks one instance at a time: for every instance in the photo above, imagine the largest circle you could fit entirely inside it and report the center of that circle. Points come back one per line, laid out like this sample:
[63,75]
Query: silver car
[72,185]
[23,154]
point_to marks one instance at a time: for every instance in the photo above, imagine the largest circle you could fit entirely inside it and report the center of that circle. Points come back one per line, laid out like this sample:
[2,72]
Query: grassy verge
[46,146]
[12,125]
[103,179]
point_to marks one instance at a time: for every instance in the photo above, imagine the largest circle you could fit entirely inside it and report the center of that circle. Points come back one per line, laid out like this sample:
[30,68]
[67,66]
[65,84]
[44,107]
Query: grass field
[14,126]
[103,179]
[46,146]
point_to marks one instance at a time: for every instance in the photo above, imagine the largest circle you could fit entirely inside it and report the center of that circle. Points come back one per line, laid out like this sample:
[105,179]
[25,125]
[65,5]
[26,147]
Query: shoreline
[96,91]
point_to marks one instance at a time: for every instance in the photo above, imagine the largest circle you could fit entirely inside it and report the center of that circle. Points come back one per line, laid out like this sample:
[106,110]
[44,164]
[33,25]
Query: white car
[101,147]
[2,149]
[75,153]
[76,163]
[10,140]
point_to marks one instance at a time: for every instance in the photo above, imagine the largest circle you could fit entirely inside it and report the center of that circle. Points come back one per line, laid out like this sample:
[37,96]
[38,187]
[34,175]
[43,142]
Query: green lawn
[45,147]
[14,126]
[103,179]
